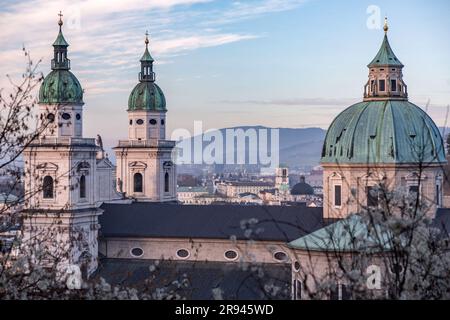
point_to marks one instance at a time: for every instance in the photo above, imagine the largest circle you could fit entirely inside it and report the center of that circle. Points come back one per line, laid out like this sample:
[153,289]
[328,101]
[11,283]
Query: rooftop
[160,220]
[233,280]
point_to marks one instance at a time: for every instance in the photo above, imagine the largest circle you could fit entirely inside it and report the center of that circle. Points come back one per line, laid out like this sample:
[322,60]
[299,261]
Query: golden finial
[386,27]
[146,38]
[60,22]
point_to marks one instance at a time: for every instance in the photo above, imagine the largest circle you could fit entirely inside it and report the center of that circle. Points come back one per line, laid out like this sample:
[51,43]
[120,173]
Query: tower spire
[146,73]
[60,61]
[385,27]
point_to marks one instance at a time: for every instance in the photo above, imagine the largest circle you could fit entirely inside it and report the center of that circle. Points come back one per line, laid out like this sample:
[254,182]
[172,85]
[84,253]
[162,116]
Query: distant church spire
[60,61]
[385,74]
[146,73]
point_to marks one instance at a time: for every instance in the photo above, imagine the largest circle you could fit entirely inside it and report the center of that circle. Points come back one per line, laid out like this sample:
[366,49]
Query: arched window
[47,187]
[137,182]
[83,187]
[166,182]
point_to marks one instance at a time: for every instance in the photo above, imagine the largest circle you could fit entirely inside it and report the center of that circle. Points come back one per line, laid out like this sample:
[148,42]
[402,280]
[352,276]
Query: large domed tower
[60,166]
[383,142]
[145,170]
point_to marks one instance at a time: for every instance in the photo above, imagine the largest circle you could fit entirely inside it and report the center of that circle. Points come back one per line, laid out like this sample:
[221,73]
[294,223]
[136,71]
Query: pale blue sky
[290,63]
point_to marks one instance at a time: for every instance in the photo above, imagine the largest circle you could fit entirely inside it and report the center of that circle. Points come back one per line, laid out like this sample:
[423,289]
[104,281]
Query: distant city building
[315,177]
[232,189]
[191,195]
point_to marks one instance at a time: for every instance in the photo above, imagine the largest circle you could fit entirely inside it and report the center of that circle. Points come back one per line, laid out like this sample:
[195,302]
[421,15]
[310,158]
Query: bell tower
[60,165]
[145,170]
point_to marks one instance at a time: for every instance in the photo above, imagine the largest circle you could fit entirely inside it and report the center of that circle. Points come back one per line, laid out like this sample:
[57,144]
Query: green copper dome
[387,131]
[61,86]
[147,96]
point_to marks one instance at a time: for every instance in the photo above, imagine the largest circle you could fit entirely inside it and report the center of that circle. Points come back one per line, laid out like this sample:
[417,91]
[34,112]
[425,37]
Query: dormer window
[382,85]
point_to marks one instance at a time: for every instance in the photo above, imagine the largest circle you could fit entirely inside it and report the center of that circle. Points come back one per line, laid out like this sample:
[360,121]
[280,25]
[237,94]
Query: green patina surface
[60,41]
[348,235]
[385,56]
[387,131]
[147,56]
[61,86]
[147,96]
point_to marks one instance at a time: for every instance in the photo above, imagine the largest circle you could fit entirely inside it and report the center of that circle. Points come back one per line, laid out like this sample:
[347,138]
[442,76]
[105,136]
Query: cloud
[195,42]
[247,9]
[106,36]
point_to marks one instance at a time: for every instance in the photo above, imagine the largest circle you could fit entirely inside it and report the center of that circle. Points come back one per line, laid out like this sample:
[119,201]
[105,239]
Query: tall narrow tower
[60,165]
[145,170]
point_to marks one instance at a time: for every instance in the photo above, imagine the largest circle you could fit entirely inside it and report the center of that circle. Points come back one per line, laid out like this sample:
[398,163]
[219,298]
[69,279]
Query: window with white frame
[337,195]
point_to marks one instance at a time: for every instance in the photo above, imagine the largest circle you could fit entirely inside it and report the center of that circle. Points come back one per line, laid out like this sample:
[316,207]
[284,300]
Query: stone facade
[197,249]
[145,169]
[345,186]
[60,178]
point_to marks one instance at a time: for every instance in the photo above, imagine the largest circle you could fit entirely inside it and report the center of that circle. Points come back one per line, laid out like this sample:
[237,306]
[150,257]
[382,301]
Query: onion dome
[147,95]
[302,188]
[385,127]
[60,86]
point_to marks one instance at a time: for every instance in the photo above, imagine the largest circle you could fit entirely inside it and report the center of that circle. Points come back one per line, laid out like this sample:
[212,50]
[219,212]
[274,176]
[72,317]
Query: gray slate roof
[141,219]
[233,279]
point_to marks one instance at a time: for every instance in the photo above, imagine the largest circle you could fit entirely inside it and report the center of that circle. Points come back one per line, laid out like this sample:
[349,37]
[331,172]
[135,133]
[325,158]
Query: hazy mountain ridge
[297,146]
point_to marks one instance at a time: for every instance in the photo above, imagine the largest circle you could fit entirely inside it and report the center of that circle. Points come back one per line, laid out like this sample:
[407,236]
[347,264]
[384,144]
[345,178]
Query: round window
[296,265]
[162,121]
[140,121]
[280,256]
[65,116]
[131,122]
[51,117]
[78,116]
[183,253]
[153,121]
[137,252]
[231,254]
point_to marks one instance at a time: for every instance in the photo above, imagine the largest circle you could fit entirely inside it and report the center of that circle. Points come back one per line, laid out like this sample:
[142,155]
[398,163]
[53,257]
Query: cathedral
[119,220]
